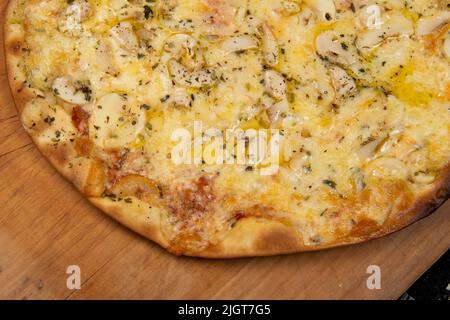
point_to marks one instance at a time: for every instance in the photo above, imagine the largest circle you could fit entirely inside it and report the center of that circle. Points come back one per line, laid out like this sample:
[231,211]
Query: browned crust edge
[250,236]
[284,243]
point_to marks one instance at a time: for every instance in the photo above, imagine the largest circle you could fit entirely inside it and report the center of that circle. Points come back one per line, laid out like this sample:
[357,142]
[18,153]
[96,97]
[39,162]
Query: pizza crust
[264,237]
[250,236]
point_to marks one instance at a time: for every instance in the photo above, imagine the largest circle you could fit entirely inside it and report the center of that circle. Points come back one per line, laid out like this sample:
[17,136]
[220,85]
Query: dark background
[434,284]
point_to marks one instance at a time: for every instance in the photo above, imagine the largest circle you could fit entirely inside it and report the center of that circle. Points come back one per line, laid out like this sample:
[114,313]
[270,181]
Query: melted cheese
[393,125]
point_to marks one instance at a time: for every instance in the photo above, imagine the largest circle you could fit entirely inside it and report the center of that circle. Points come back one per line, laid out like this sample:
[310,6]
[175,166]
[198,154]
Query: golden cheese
[358,107]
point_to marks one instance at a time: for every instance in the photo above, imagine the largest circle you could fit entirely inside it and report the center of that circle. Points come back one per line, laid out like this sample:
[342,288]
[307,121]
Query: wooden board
[46,225]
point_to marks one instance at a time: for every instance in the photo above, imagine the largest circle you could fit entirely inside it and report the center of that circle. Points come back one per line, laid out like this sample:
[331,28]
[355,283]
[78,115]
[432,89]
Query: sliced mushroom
[145,37]
[127,10]
[240,15]
[252,111]
[369,149]
[123,34]
[325,93]
[324,9]
[278,110]
[443,4]
[290,7]
[306,16]
[116,121]
[428,25]
[275,84]
[194,79]
[423,178]
[239,43]
[184,48]
[104,59]
[344,85]
[342,4]
[185,62]
[269,46]
[254,24]
[386,167]
[358,179]
[70,20]
[83,7]
[180,44]
[396,26]
[165,10]
[329,47]
[71,90]
[265,101]
[179,98]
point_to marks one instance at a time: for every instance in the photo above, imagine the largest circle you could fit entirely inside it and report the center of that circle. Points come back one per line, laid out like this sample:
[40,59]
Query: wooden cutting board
[46,226]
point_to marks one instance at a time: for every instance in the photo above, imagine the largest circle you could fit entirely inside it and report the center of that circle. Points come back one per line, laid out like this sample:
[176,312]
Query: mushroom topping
[70,20]
[387,167]
[165,12]
[290,7]
[180,44]
[194,79]
[428,25]
[104,59]
[305,16]
[125,9]
[179,98]
[183,47]
[396,26]
[145,37]
[116,120]
[358,179]
[269,46]
[278,110]
[239,43]
[240,15]
[275,84]
[185,62]
[344,85]
[71,90]
[342,4]
[369,149]
[124,36]
[340,50]
[423,178]
[325,10]
[330,48]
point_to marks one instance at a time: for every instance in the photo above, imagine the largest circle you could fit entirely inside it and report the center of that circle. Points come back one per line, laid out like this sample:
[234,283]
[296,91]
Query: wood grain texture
[46,225]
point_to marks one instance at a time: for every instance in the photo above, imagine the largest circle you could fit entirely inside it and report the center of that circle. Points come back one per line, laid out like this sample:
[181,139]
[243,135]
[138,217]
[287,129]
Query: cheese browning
[360,91]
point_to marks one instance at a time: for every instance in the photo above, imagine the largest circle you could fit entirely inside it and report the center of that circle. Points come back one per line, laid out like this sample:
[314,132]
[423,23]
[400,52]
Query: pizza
[230,128]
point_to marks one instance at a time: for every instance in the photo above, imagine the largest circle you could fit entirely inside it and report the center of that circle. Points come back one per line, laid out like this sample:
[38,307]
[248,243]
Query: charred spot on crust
[84,146]
[278,239]
[95,182]
[364,227]
[16,47]
[79,120]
